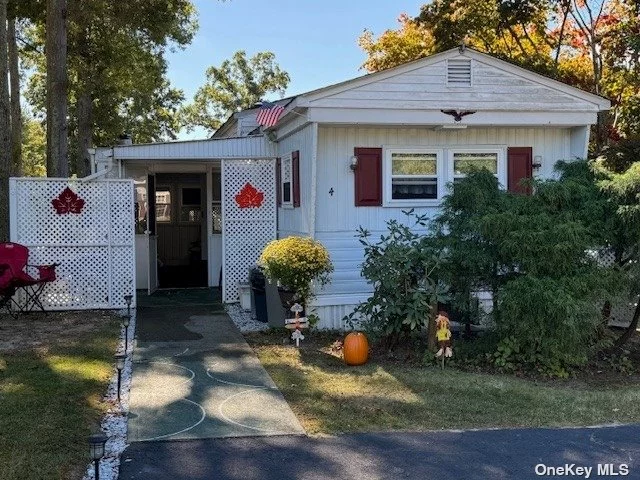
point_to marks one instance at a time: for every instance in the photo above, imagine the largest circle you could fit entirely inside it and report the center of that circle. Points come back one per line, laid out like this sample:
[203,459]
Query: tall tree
[57,89]
[5,126]
[236,84]
[16,109]
[117,71]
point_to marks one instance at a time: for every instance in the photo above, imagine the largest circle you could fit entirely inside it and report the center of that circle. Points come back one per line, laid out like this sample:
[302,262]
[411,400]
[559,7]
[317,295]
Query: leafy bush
[536,255]
[295,262]
[402,268]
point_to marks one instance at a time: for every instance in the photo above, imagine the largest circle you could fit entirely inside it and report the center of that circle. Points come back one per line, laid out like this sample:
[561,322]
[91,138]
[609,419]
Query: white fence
[86,227]
[249,218]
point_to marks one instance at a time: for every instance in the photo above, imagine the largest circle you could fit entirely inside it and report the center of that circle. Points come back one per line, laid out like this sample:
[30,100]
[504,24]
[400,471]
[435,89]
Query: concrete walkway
[195,377]
[469,455]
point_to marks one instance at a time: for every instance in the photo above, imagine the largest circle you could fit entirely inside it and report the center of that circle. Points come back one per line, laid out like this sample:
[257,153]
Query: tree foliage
[117,70]
[410,41]
[237,84]
[539,255]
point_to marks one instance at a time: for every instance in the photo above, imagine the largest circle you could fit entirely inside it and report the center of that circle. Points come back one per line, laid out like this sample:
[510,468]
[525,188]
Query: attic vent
[459,73]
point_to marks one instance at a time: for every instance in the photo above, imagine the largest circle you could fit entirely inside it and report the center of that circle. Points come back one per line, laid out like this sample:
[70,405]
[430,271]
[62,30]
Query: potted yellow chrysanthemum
[294,263]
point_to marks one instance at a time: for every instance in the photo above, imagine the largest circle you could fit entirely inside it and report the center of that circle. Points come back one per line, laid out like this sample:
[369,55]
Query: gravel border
[243,319]
[114,424]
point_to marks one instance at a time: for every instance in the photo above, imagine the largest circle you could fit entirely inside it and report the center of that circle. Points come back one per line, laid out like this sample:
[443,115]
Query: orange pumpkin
[356,349]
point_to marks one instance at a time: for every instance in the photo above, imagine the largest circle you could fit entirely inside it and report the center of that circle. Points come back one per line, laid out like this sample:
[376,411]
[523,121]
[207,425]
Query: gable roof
[601,102]
[308,99]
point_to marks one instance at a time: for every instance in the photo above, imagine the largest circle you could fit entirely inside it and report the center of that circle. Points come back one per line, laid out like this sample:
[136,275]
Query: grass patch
[51,394]
[329,397]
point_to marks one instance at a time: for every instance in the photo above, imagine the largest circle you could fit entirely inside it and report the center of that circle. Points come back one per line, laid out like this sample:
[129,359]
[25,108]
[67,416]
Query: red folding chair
[7,290]
[14,257]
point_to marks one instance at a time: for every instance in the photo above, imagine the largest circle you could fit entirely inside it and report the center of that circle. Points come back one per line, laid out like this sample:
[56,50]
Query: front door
[152,235]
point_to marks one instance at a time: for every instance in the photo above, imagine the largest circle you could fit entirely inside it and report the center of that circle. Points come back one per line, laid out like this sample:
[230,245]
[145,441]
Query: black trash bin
[257,282]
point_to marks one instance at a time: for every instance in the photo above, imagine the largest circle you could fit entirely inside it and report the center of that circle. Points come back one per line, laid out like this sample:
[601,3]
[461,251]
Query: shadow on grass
[50,401]
[331,397]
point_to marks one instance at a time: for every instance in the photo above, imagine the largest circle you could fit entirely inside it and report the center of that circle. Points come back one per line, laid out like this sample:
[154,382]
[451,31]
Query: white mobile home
[348,155]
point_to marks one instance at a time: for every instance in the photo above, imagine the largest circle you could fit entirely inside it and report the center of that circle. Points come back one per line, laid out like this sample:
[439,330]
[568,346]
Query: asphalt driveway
[466,455]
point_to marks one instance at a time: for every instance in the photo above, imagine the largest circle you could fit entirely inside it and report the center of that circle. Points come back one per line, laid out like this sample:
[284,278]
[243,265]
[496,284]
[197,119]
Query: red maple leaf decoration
[249,197]
[67,202]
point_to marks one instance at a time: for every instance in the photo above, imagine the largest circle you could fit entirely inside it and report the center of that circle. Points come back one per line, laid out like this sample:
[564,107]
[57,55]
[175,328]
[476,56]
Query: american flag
[269,114]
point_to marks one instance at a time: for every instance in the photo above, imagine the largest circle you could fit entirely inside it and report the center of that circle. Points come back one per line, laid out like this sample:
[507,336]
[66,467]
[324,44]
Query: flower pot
[287,298]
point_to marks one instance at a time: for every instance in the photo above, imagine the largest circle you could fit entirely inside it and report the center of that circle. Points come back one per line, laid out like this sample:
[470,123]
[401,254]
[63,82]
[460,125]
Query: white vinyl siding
[428,88]
[297,221]
[337,217]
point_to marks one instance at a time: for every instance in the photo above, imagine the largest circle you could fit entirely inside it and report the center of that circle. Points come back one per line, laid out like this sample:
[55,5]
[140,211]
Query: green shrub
[402,268]
[295,262]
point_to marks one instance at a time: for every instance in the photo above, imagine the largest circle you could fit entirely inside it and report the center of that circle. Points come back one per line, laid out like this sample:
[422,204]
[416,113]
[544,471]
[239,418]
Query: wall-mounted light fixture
[537,162]
[353,163]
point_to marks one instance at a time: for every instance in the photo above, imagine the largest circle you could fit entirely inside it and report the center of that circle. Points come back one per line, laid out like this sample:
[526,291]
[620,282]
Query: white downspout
[314,185]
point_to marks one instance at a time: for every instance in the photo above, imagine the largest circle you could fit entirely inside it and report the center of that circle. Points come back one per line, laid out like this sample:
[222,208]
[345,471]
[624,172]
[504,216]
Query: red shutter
[278,181]
[519,167]
[295,173]
[368,177]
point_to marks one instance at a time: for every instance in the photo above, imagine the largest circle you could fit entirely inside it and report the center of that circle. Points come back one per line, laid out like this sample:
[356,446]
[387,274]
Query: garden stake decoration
[443,335]
[297,323]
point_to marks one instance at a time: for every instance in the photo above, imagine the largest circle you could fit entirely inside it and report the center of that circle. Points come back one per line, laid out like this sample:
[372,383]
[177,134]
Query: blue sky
[314,41]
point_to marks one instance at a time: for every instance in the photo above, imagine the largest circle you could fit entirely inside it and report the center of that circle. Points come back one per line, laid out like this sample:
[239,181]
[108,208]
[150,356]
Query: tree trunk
[5,126]
[84,112]
[16,110]
[631,330]
[57,86]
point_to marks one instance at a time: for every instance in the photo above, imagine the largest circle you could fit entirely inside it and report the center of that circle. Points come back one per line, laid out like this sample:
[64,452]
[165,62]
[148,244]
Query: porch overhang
[253,147]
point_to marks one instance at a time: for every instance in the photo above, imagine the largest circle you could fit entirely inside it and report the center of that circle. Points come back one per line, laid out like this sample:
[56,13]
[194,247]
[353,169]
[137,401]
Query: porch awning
[210,149]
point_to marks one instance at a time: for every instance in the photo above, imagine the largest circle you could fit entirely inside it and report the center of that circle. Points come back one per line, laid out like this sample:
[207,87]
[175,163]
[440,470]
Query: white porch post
[209,224]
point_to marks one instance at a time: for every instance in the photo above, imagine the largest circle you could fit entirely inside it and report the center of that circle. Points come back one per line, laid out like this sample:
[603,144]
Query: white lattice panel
[95,247]
[247,230]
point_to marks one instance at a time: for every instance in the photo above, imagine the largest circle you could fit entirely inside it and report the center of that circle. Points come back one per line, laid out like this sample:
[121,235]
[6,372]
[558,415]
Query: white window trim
[499,150]
[171,204]
[286,158]
[444,166]
[387,201]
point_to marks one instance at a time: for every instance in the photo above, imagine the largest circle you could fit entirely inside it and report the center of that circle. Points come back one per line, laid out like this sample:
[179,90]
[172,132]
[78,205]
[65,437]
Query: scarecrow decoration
[443,335]
[296,324]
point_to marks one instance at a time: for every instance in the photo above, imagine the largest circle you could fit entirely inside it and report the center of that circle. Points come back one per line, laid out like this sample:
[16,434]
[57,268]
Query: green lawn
[329,397]
[50,393]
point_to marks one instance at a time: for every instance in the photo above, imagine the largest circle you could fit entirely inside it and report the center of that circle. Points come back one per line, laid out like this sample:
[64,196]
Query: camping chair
[14,258]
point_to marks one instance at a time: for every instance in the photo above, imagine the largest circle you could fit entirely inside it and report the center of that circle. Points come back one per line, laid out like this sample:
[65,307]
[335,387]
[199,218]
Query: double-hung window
[413,176]
[464,161]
